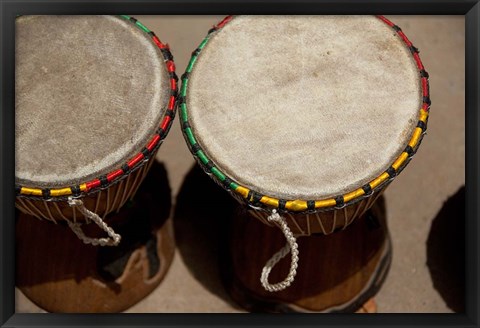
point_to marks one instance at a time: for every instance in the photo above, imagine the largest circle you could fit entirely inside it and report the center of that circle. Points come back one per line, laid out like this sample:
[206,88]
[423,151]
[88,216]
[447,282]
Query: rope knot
[74,202]
[274,217]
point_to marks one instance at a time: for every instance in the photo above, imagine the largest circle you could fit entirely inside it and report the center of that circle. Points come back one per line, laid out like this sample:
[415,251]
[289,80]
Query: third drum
[305,120]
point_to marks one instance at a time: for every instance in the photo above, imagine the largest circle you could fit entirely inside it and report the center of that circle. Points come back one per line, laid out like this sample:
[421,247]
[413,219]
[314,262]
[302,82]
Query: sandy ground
[424,204]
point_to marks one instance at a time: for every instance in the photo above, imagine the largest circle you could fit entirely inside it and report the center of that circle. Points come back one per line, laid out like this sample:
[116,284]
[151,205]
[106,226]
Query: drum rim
[261,201]
[134,163]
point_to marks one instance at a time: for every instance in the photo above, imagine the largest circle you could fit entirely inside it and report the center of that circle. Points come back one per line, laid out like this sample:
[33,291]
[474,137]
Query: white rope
[114,239]
[291,246]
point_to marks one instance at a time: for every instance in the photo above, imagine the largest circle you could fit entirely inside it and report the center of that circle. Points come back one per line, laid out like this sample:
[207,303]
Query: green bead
[191,63]
[218,174]
[143,27]
[191,138]
[183,112]
[204,42]
[202,157]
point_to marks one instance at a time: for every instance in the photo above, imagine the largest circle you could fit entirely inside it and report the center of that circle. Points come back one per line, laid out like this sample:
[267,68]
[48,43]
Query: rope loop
[291,246]
[114,238]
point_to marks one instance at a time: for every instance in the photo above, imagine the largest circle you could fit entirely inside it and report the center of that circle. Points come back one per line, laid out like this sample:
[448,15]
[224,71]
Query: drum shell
[335,273]
[101,202]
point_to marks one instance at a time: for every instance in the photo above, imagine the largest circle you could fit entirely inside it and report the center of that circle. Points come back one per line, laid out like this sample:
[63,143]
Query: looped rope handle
[114,239]
[291,246]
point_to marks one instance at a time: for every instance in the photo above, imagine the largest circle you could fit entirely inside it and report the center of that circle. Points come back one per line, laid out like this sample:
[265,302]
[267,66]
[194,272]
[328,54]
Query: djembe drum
[305,120]
[95,97]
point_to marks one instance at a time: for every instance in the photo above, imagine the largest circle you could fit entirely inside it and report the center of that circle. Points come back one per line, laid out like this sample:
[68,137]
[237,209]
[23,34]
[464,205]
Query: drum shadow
[48,255]
[202,212]
[147,213]
[446,251]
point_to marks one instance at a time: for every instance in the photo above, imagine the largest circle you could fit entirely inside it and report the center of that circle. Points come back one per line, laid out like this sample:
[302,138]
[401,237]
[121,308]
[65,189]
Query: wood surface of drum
[94,99]
[305,120]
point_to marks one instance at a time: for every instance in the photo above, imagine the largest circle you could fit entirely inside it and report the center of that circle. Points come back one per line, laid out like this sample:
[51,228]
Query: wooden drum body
[339,272]
[305,120]
[95,98]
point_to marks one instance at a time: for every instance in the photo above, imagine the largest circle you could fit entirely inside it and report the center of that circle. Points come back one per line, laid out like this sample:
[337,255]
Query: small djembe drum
[305,120]
[95,97]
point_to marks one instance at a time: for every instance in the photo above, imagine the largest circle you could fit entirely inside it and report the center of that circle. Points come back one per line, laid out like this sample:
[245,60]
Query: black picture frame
[10,8]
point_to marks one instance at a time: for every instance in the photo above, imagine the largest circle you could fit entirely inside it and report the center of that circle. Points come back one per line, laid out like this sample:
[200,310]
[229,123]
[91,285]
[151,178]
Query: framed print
[163,223]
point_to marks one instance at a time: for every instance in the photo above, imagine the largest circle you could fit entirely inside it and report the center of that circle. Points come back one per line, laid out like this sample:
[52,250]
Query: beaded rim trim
[106,180]
[258,200]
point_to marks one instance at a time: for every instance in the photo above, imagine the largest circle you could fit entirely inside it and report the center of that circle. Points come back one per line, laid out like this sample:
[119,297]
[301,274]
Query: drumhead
[90,94]
[303,107]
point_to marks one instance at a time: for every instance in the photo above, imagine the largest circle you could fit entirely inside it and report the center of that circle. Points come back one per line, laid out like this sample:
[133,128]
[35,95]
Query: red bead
[135,160]
[93,184]
[171,102]
[224,21]
[158,43]
[419,62]
[389,23]
[425,86]
[405,39]
[165,123]
[170,66]
[153,142]
[113,175]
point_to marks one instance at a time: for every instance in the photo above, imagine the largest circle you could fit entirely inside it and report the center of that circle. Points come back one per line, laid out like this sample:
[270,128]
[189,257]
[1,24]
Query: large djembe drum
[95,97]
[305,120]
